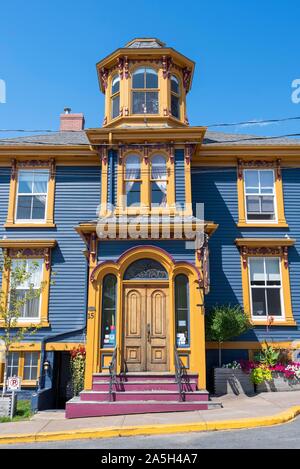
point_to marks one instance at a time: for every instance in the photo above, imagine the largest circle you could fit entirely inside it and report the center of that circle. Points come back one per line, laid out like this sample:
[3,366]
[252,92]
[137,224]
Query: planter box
[279,384]
[5,405]
[228,381]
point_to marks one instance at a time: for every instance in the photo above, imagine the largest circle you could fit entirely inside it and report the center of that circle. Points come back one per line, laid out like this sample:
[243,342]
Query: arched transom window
[146,269]
[145,91]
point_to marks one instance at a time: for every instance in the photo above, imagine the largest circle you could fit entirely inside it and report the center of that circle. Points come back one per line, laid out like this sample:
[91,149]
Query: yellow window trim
[258,164]
[38,249]
[13,190]
[267,247]
[25,382]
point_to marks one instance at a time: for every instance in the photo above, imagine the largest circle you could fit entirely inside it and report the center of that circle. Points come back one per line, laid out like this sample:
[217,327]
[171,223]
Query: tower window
[175,97]
[145,91]
[115,96]
[133,180]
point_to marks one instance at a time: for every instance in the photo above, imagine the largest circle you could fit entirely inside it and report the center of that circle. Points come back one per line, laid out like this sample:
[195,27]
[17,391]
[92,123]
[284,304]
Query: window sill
[40,325]
[275,323]
[262,225]
[29,225]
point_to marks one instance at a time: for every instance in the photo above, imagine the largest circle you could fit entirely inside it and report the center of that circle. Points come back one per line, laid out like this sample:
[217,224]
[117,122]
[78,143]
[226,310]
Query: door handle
[148,333]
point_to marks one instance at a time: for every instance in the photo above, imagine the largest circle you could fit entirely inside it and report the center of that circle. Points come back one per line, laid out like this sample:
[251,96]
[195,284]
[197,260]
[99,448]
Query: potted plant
[224,323]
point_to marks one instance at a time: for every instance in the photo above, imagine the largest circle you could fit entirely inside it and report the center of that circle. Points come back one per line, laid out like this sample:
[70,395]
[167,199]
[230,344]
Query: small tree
[225,322]
[12,304]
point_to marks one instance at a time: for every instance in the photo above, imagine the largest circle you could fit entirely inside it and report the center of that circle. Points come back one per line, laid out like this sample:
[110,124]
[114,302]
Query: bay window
[115,97]
[175,97]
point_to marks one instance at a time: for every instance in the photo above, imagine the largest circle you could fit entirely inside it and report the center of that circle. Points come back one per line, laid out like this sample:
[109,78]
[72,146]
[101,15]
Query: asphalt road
[281,436]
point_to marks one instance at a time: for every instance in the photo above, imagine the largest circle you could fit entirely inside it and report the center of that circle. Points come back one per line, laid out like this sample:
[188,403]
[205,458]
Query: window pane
[274,302]
[24,207]
[257,274]
[151,102]
[25,182]
[38,207]
[158,167]
[133,164]
[13,364]
[32,308]
[182,310]
[258,302]
[174,84]
[109,311]
[115,88]
[253,204]
[133,193]
[138,78]
[251,179]
[273,272]
[138,102]
[175,106]
[30,365]
[40,182]
[151,78]
[159,193]
[115,107]
[266,179]
[267,204]
[145,269]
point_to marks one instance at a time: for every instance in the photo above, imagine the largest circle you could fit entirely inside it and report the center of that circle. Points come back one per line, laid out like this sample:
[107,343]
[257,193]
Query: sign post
[13,385]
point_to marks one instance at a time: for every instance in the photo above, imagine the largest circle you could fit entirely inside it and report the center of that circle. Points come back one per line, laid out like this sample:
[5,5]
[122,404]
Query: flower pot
[232,381]
[279,383]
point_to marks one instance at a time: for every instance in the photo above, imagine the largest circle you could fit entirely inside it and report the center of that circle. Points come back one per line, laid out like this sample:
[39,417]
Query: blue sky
[246,54]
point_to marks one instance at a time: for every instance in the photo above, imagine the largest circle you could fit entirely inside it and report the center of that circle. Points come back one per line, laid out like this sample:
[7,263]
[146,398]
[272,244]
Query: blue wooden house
[147,222]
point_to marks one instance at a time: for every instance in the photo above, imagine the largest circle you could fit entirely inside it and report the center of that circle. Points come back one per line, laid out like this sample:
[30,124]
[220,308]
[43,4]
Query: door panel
[134,329]
[146,329]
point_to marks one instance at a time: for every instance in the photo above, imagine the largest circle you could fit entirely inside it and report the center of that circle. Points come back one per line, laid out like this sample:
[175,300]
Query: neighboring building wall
[217,189]
[77,195]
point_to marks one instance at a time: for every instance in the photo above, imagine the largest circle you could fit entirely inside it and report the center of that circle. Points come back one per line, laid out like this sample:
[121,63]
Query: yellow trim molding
[259,164]
[36,249]
[17,165]
[267,247]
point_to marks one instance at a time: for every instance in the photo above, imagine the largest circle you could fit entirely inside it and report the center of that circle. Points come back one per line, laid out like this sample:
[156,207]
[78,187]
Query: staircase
[138,393]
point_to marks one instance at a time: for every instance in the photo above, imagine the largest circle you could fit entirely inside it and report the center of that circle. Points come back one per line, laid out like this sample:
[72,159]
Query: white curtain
[159,174]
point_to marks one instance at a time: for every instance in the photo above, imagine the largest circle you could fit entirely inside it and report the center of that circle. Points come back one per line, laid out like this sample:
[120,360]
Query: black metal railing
[113,373]
[179,373]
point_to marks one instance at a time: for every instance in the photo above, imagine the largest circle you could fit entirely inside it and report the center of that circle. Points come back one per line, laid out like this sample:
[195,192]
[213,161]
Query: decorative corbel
[13,169]
[93,246]
[120,153]
[244,253]
[172,152]
[47,257]
[126,67]
[52,168]
[146,153]
[166,66]
[121,67]
[186,75]
[103,154]
[188,151]
[285,257]
[278,169]
[240,169]
[104,77]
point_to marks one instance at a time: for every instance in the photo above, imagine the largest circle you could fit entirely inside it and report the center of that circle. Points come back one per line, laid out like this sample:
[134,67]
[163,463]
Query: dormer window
[145,91]
[175,97]
[115,96]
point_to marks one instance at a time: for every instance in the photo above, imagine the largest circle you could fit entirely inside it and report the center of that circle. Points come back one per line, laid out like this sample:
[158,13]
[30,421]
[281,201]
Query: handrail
[179,372]
[113,372]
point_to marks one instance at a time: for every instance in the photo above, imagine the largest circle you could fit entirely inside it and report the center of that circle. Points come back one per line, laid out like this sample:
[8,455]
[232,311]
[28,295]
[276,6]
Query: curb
[112,432]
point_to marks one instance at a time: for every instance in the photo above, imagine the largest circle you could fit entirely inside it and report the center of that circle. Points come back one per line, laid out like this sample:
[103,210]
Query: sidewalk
[238,412]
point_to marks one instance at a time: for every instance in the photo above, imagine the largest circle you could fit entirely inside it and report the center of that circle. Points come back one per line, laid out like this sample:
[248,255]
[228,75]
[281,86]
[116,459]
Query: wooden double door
[146,328]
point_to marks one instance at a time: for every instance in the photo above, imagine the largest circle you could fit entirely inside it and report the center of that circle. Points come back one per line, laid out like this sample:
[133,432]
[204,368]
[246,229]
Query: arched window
[133,180]
[115,96]
[175,97]
[158,181]
[146,269]
[182,310]
[109,297]
[145,91]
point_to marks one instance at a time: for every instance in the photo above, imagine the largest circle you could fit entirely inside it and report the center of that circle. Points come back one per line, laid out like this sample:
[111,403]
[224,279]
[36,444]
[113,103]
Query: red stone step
[148,385]
[165,395]
[75,408]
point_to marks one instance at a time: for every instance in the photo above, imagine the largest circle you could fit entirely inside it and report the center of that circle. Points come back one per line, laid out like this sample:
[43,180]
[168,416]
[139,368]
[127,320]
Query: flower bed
[277,377]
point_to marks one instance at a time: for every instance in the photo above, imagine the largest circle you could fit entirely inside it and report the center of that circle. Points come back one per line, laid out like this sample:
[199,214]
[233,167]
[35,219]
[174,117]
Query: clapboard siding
[112,250]
[217,189]
[77,196]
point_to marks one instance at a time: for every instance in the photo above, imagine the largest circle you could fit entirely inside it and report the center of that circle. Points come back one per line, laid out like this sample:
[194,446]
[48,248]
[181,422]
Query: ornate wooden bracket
[13,169]
[172,152]
[103,153]
[188,152]
[120,153]
[259,164]
[104,77]
[186,75]
[34,252]
[166,66]
[146,153]
[93,246]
